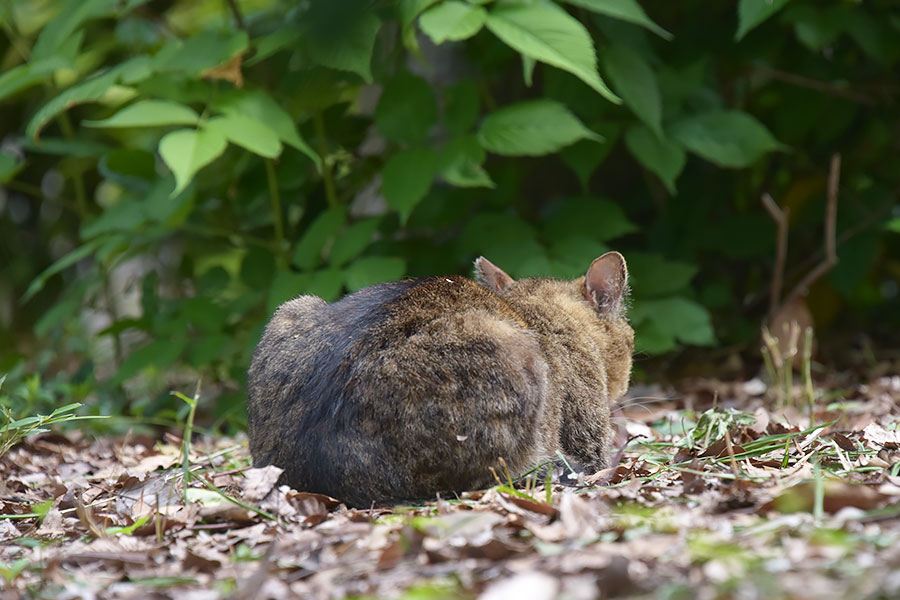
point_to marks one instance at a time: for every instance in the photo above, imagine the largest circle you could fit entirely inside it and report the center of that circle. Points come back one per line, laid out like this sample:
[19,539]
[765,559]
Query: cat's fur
[405,389]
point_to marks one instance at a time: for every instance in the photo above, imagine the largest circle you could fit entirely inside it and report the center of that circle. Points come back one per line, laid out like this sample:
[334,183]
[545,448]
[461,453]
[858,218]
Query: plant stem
[807,371]
[322,143]
[277,217]
[65,125]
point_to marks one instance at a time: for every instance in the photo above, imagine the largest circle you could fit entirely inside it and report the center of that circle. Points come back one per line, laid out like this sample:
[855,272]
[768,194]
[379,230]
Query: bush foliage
[172,170]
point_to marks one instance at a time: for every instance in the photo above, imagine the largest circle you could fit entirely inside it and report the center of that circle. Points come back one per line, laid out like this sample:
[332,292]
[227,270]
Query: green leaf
[88,91]
[407,11]
[636,83]
[624,10]
[406,178]
[149,113]
[656,153]
[753,12]
[585,156]
[247,133]
[590,218]
[186,151]
[545,32]
[65,262]
[461,163]
[159,353]
[353,241]
[651,274]
[258,105]
[285,286]
[728,138]
[257,268]
[343,37]
[461,106]
[407,108]
[308,252]
[532,128]
[326,284]
[370,270]
[452,21]
[29,74]
[893,225]
[71,16]
[200,52]
[679,317]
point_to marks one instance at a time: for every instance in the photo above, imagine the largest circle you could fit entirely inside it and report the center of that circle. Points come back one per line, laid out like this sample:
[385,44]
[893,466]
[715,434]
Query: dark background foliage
[173,170]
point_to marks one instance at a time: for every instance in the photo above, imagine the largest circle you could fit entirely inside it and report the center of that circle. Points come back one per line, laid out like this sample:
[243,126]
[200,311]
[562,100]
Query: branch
[815,84]
[781,221]
[236,11]
[834,178]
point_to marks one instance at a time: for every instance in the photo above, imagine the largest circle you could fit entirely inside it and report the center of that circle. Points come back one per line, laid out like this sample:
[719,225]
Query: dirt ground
[706,501]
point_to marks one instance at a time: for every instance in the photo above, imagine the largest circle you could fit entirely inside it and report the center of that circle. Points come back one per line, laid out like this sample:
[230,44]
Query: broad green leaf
[407,108]
[200,52]
[285,286]
[71,16]
[461,163]
[352,242]
[159,353]
[248,133]
[636,83]
[370,270]
[326,284]
[258,105]
[545,32]
[407,11]
[406,178]
[257,267]
[125,216]
[652,275]
[186,151]
[572,255]
[585,156]
[682,318]
[650,337]
[90,90]
[149,113]
[29,74]
[341,35]
[656,153]
[461,106]
[452,20]
[728,138]
[753,12]
[590,218]
[308,252]
[131,168]
[893,225]
[532,128]
[624,10]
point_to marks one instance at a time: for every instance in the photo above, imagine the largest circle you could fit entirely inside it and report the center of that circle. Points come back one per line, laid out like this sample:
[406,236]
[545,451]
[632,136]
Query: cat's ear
[491,275]
[606,282]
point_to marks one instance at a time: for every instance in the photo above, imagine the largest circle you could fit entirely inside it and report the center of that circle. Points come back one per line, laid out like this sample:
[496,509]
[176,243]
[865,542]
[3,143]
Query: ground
[705,502]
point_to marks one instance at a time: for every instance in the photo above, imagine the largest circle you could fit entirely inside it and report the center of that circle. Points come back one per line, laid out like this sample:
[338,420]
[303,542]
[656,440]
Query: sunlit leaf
[186,151]
[547,33]
[625,10]
[532,128]
[149,113]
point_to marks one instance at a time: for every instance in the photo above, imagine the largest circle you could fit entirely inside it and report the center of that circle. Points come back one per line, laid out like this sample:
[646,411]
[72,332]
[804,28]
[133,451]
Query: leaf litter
[705,501]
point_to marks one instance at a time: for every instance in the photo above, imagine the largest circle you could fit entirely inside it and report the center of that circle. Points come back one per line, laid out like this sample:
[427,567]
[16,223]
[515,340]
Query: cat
[405,389]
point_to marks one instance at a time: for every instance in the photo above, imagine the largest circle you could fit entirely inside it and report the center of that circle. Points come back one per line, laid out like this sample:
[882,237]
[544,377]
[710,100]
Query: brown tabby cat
[405,389]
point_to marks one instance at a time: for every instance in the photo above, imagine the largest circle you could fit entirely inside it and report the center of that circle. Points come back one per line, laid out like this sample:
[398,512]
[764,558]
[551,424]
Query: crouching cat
[405,389]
